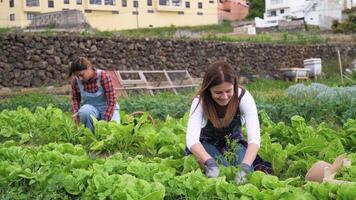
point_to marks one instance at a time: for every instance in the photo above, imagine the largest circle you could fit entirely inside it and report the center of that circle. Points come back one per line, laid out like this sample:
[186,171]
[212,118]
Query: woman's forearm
[199,152]
[251,153]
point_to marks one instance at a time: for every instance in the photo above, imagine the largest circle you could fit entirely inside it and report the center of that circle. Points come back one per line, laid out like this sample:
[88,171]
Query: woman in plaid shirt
[92,94]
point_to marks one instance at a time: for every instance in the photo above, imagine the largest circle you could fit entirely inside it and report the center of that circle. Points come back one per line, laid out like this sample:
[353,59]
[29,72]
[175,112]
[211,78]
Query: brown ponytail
[79,64]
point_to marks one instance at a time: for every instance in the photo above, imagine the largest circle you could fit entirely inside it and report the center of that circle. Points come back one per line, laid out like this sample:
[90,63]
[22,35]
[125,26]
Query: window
[187,4]
[31,16]
[110,2]
[150,11]
[282,11]
[314,7]
[50,4]
[211,1]
[97,2]
[176,2]
[163,2]
[180,12]
[275,2]
[12,17]
[124,3]
[11,3]
[199,13]
[149,2]
[135,4]
[135,12]
[115,12]
[87,11]
[79,2]
[32,3]
[66,1]
[273,13]
[200,5]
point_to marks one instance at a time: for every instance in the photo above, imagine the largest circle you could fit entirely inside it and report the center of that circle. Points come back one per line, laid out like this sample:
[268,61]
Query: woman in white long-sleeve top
[217,113]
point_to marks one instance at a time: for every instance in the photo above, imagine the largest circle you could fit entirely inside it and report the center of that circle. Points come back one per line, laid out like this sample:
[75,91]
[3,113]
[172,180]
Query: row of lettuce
[44,156]
[315,102]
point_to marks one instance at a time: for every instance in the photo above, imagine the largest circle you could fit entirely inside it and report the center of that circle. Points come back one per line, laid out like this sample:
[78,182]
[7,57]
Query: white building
[314,12]
[350,3]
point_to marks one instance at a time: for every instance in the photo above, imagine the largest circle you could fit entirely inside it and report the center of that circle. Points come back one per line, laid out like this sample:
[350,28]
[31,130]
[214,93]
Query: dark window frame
[200,5]
[50,5]
[31,3]
[163,2]
[135,4]
[123,3]
[110,2]
[187,4]
[12,17]
[95,2]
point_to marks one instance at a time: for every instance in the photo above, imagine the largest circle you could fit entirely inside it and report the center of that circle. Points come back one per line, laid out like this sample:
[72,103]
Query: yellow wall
[103,18]
[17,10]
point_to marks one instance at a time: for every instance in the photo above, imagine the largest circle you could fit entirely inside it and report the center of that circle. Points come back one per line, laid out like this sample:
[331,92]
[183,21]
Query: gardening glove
[211,168]
[241,175]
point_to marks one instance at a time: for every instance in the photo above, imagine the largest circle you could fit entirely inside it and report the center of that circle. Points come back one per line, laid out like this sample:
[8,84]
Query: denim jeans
[218,156]
[87,110]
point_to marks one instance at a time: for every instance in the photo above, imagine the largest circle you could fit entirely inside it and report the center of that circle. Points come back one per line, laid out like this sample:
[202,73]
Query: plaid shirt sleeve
[110,95]
[75,96]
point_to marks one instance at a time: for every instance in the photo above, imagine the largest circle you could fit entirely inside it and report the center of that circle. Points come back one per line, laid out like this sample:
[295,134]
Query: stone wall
[33,60]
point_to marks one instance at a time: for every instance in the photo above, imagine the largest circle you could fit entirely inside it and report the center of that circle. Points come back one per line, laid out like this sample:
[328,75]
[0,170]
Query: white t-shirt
[249,116]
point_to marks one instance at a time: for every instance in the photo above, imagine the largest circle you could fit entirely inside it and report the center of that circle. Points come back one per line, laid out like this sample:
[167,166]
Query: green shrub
[32,101]
[347,26]
[159,106]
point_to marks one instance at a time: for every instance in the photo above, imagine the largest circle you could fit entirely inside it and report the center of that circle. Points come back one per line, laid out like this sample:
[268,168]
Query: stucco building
[115,14]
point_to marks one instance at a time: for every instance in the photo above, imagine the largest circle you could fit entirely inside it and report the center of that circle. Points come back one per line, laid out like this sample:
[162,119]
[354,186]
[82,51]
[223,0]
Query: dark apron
[218,137]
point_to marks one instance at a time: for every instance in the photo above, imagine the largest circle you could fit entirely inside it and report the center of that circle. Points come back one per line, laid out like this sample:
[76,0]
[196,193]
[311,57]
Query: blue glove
[241,175]
[211,168]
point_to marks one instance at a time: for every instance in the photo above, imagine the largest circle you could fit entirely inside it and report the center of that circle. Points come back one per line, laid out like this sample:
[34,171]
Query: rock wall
[33,60]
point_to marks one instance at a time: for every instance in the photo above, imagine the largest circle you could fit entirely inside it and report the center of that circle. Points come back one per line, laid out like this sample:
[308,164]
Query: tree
[257,8]
[347,26]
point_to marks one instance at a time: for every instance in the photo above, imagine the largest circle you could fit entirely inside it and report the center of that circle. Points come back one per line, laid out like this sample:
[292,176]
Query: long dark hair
[216,74]
[79,64]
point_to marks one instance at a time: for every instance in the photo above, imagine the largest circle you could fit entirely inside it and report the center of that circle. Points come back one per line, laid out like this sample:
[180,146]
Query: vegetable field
[44,156]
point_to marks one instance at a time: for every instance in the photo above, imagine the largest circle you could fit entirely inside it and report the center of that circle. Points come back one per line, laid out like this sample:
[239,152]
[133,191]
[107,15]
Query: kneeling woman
[95,89]
[217,113]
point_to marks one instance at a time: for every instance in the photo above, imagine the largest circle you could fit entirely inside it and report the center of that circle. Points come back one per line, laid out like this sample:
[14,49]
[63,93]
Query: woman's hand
[241,175]
[211,168]
[76,119]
